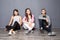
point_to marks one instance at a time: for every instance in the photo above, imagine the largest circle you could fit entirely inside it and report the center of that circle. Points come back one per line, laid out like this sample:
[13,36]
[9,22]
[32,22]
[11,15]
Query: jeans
[43,24]
[16,26]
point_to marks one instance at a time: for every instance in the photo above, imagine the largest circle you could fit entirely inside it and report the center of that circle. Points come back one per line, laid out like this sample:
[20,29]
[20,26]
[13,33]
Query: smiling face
[43,12]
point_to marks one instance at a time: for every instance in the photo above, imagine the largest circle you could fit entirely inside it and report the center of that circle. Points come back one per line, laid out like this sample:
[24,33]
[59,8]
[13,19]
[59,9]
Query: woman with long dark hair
[28,20]
[15,22]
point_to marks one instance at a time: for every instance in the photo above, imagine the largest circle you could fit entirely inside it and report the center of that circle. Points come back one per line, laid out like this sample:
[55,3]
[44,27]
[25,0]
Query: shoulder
[47,15]
[40,15]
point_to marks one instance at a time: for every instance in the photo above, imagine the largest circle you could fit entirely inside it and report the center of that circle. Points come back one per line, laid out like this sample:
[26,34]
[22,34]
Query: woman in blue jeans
[44,22]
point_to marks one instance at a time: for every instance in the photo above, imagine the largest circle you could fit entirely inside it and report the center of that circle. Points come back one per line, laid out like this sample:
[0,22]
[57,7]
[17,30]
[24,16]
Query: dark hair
[27,14]
[43,9]
[16,11]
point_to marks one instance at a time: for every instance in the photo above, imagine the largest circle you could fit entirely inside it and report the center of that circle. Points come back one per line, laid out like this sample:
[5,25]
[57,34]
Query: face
[16,13]
[28,11]
[43,12]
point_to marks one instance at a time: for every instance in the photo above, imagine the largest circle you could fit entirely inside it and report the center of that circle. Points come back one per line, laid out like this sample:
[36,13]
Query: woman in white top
[15,22]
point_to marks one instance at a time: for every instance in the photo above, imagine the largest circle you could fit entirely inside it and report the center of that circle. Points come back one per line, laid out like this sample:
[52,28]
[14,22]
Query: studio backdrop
[52,7]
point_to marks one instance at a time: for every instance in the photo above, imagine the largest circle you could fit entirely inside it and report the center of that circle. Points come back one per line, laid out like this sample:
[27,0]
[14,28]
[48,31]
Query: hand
[47,26]
[46,19]
[30,24]
[8,25]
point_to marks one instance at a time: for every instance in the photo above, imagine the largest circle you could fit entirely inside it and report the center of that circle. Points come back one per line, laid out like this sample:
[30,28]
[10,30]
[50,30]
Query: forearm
[11,20]
[9,23]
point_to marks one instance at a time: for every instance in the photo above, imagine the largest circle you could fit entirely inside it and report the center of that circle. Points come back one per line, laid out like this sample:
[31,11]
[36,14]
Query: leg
[16,26]
[44,26]
[28,27]
[47,29]
[40,23]
[8,28]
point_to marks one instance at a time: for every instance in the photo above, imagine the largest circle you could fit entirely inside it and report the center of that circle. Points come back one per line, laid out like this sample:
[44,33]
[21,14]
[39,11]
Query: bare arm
[20,20]
[11,19]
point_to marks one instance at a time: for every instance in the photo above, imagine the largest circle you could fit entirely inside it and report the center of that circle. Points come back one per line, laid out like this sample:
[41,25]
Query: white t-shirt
[16,18]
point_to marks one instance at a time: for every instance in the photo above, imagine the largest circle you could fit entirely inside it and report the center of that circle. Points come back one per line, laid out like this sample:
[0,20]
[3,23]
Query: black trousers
[43,24]
[16,26]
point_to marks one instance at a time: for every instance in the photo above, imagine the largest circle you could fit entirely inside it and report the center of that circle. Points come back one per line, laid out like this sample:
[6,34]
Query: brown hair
[43,9]
[16,11]
[27,14]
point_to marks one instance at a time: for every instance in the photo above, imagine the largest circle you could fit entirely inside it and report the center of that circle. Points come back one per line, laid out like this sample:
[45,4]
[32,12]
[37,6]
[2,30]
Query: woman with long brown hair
[28,20]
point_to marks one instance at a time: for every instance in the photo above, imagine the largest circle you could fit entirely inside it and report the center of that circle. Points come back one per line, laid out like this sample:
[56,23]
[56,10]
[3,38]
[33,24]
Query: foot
[49,34]
[41,31]
[5,30]
[27,32]
[32,31]
[14,32]
[52,34]
[10,33]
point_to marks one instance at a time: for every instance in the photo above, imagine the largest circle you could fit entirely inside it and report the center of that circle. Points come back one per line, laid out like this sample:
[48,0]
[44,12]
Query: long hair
[16,11]
[27,14]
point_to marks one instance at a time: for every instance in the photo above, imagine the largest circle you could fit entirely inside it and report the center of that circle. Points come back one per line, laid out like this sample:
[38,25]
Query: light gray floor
[32,36]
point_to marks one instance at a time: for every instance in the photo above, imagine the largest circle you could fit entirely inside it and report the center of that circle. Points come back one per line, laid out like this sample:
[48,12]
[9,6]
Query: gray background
[52,7]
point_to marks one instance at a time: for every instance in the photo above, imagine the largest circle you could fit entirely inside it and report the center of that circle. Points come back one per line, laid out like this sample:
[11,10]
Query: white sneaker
[41,28]
[27,32]
[10,33]
[51,34]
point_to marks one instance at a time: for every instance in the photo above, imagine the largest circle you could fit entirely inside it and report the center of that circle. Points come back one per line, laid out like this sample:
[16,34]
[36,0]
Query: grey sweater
[41,17]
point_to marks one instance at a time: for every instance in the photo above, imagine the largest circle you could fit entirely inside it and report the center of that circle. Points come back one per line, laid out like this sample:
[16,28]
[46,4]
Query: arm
[48,20]
[11,19]
[41,17]
[20,20]
[24,21]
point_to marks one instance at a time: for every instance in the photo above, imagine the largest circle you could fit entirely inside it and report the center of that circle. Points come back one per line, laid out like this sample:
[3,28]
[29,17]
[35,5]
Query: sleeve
[49,22]
[40,17]
[24,19]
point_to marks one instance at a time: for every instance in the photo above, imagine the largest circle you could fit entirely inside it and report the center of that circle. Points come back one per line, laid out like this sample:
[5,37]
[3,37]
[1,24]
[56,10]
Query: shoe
[10,33]
[49,34]
[27,32]
[32,31]
[52,34]
[41,30]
